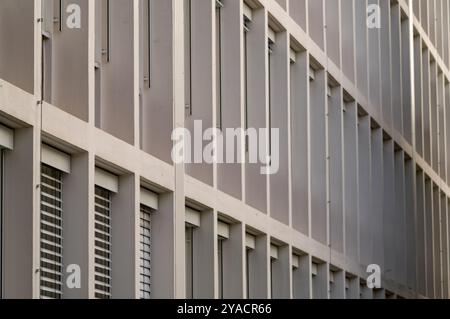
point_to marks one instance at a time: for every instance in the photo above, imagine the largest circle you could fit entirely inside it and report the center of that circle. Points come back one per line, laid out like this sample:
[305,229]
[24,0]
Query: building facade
[92,205]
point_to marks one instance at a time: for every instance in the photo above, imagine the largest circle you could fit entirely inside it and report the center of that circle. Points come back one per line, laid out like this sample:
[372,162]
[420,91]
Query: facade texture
[91,91]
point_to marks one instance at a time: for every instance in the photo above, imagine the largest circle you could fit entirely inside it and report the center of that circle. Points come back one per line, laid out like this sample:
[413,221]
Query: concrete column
[77,190]
[125,238]
[281,274]
[320,282]
[165,252]
[258,264]
[19,245]
[301,278]
[364,291]
[234,259]
[205,257]
[337,287]
[352,288]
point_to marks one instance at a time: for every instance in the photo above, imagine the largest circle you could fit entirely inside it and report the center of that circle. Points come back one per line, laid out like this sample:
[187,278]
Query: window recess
[292,56]
[312,73]
[295,262]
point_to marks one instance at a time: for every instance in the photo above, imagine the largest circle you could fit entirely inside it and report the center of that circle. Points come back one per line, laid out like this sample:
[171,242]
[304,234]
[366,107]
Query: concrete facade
[364,172]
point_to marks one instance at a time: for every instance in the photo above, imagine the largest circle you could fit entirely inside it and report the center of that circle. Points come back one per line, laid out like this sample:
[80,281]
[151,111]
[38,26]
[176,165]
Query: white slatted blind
[51,234]
[102,243]
[145,252]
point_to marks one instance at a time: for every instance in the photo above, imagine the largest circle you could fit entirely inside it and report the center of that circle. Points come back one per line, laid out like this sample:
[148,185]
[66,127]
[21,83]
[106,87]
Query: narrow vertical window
[147,41]
[145,252]
[220,265]
[219,6]
[189,262]
[51,234]
[98,96]
[272,260]
[246,77]
[102,247]
[59,11]
[100,8]
[106,29]
[47,68]
[247,270]
[250,245]
[188,55]
[270,48]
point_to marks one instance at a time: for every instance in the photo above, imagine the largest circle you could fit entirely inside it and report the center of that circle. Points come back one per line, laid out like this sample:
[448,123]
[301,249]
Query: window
[247,269]
[220,265]
[193,222]
[247,21]
[145,252]
[47,67]
[270,48]
[189,261]
[59,17]
[250,244]
[102,243]
[188,56]
[51,234]
[273,260]
[105,30]
[147,41]
[223,234]
[219,6]
[98,96]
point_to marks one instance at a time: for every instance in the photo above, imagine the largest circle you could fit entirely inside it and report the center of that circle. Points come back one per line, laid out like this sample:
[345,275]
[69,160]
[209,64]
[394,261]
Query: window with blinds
[102,246]
[145,252]
[51,234]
